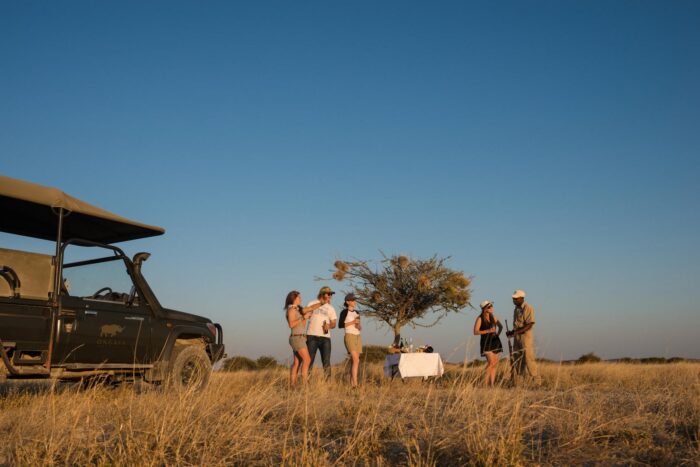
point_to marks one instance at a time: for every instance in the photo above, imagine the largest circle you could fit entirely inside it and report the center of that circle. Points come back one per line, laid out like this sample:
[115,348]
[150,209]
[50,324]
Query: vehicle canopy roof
[32,210]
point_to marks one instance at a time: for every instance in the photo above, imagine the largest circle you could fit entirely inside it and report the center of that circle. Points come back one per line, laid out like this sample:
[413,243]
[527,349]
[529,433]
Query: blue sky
[548,146]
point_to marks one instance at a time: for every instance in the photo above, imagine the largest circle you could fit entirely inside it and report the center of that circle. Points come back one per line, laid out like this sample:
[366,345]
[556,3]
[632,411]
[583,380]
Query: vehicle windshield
[95,273]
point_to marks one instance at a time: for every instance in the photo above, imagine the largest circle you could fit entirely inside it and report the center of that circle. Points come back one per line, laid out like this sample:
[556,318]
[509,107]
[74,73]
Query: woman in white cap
[353,341]
[489,328]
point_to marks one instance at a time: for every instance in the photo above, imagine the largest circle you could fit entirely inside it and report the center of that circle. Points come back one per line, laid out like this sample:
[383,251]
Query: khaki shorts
[297,342]
[353,342]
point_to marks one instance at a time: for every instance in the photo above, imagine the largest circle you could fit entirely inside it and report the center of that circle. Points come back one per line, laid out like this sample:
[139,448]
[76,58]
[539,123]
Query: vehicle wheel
[189,368]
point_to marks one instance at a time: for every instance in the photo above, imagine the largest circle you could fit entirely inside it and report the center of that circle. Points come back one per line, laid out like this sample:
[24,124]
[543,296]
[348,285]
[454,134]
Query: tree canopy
[399,290]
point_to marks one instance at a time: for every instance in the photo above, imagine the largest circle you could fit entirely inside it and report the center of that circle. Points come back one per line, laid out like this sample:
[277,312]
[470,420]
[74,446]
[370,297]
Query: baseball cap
[519,294]
[350,297]
[485,303]
[325,290]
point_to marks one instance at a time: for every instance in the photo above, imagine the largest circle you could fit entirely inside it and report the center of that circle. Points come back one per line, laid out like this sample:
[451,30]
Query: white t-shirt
[351,329]
[323,313]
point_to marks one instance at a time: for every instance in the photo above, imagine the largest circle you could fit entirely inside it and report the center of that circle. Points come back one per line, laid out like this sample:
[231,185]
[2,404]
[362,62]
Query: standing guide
[322,321]
[524,341]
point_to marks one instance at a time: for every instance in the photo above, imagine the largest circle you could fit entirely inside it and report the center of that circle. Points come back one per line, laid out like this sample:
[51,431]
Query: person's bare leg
[293,370]
[491,361]
[355,366]
[494,369]
[305,363]
[488,368]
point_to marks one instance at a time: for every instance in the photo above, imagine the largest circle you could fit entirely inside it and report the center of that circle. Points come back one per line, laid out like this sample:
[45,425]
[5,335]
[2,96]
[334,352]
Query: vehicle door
[102,319]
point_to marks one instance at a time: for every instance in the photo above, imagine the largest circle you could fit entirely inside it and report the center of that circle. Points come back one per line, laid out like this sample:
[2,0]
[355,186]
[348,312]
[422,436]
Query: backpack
[341,320]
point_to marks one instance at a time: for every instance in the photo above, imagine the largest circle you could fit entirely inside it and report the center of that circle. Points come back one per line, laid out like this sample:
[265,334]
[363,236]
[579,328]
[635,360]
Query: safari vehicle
[87,311]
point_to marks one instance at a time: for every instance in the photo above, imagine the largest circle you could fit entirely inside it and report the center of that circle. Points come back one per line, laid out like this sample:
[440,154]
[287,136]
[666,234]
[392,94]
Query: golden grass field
[594,414]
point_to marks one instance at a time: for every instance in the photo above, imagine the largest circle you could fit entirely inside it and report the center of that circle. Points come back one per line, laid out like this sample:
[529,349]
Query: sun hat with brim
[485,303]
[519,294]
[350,297]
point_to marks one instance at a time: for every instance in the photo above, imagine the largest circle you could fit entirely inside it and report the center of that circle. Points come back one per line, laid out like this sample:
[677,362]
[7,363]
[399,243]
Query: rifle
[510,355]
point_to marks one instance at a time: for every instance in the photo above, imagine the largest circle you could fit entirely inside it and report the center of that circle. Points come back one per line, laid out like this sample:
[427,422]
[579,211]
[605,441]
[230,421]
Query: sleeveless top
[485,324]
[489,342]
[301,327]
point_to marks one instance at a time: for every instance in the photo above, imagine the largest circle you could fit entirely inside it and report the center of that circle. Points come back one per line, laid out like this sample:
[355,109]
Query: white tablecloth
[414,364]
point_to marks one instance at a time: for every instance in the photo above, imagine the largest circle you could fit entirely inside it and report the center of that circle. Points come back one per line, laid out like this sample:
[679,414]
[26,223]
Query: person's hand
[493,330]
[510,333]
[358,326]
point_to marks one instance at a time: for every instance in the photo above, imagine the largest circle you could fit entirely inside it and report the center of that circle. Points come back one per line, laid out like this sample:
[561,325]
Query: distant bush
[589,358]
[239,363]
[652,360]
[266,362]
[374,353]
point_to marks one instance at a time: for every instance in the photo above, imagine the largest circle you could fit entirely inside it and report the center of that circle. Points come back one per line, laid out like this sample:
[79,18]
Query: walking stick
[510,355]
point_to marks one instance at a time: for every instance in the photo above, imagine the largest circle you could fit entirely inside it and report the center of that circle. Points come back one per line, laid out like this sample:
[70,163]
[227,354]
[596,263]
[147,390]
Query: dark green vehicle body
[109,321]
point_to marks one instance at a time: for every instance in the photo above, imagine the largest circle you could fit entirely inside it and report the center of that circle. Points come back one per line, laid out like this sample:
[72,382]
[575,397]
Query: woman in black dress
[489,328]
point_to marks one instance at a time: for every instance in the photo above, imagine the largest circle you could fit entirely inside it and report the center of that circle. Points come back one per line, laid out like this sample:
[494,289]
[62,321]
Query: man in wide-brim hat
[524,362]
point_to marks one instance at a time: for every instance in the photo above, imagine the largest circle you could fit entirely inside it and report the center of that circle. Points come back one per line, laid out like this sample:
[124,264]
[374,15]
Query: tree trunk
[397,333]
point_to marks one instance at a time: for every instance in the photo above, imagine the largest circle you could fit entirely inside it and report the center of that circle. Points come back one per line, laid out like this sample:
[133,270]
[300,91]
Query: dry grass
[597,413]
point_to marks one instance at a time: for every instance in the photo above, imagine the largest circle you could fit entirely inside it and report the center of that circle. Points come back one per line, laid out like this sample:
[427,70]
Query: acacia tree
[399,290]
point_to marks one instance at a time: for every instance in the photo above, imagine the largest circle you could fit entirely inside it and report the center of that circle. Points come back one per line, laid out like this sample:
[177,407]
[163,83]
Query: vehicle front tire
[189,368]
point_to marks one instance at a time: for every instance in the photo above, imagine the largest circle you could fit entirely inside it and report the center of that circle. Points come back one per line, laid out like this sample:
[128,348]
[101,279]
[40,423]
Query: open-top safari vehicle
[87,311]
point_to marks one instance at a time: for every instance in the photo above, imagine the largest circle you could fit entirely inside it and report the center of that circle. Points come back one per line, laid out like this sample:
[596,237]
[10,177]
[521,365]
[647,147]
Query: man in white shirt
[318,336]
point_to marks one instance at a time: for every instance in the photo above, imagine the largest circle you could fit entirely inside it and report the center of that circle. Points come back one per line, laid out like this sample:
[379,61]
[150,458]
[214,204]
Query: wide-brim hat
[519,294]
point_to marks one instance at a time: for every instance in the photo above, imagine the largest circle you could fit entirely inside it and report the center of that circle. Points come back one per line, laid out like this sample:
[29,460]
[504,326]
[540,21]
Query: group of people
[489,327]
[310,332]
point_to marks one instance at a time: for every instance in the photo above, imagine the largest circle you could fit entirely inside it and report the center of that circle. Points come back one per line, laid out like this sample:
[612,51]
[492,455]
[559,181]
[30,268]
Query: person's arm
[524,329]
[477,325]
[291,320]
[333,318]
[313,306]
[500,326]
[529,319]
[354,322]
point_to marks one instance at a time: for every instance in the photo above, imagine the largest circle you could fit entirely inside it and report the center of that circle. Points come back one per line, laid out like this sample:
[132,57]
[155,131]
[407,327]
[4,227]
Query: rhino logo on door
[110,330]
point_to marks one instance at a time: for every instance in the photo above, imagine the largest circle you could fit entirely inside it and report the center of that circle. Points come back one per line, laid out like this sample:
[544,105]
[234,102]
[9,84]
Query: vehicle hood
[182,316]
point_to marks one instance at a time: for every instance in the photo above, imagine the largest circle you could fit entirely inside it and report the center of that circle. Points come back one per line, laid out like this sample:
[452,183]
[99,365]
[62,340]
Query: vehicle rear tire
[189,368]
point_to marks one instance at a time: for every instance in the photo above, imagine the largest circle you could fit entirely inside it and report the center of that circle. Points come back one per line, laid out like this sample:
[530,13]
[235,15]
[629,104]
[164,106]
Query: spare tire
[189,368]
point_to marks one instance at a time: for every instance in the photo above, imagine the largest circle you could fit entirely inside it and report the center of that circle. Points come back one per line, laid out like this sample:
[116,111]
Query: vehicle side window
[106,280]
